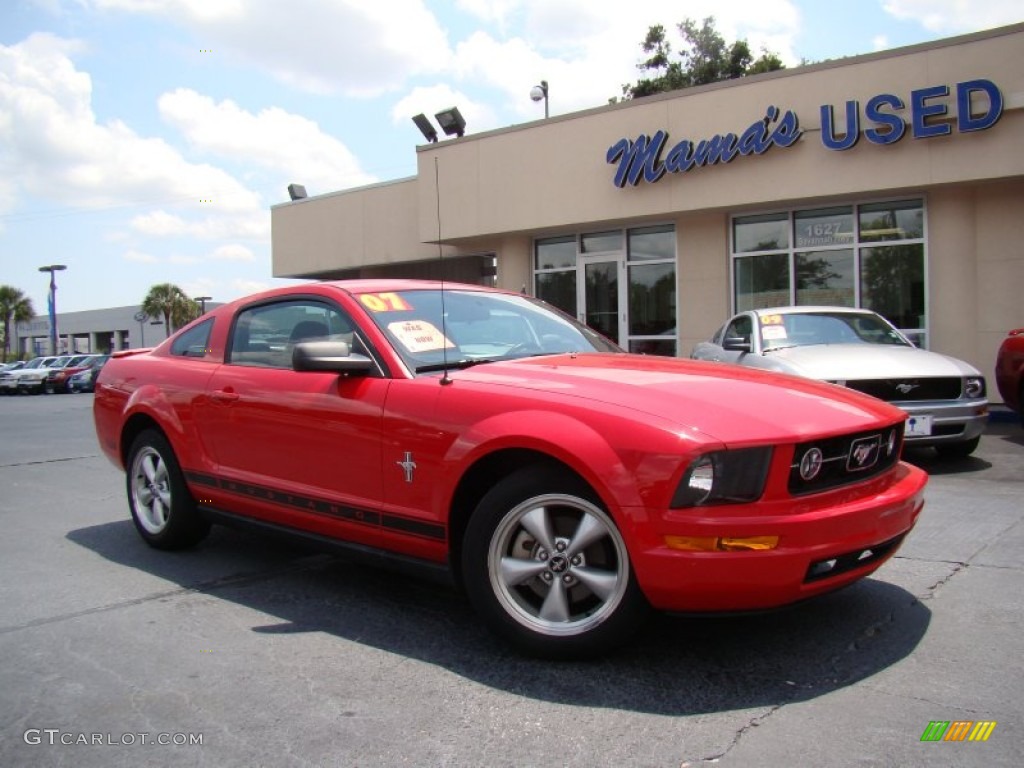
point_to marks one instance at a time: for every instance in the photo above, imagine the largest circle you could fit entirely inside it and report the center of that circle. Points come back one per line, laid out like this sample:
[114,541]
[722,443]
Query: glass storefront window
[762,281]
[768,232]
[652,299]
[892,221]
[892,284]
[558,289]
[650,243]
[823,227]
[601,242]
[556,253]
[825,278]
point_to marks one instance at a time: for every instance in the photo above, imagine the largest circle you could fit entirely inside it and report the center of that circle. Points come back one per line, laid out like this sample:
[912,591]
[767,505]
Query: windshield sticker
[419,336]
[771,319]
[385,302]
[773,332]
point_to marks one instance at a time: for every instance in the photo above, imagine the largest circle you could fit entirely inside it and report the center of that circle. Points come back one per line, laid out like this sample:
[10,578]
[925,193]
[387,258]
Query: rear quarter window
[195,342]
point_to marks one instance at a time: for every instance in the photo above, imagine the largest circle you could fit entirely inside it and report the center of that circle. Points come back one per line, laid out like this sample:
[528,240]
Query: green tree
[16,308]
[704,57]
[168,301]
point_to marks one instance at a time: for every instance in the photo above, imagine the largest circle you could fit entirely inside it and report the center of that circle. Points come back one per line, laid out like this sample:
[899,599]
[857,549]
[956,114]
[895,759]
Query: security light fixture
[202,303]
[426,127]
[540,92]
[452,122]
[296,192]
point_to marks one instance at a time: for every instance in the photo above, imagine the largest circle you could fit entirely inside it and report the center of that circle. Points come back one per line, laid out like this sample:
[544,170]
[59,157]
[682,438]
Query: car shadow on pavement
[674,666]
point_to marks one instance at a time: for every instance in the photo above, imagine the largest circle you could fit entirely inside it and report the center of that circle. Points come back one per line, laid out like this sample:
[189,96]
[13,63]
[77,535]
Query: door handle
[223,396]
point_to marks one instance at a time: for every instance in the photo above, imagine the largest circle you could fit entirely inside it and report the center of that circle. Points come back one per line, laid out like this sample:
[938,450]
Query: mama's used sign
[650,157]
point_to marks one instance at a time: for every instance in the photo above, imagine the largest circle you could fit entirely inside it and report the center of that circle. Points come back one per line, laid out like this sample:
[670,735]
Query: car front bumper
[949,422]
[859,527]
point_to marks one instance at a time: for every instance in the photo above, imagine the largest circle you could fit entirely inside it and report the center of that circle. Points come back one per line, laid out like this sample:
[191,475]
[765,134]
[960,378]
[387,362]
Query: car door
[302,449]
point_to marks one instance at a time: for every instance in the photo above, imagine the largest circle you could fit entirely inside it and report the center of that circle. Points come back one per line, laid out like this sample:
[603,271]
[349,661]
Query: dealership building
[892,181]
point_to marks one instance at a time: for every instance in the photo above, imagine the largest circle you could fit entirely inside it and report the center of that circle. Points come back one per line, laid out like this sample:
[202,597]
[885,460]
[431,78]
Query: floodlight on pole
[426,127]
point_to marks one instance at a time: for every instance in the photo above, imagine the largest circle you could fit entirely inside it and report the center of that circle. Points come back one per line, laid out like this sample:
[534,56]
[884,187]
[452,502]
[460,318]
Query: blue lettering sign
[641,157]
[921,110]
[965,120]
[851,132]
[893,126]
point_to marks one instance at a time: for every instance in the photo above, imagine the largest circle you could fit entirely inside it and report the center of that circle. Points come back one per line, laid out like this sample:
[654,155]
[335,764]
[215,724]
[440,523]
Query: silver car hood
[849,362]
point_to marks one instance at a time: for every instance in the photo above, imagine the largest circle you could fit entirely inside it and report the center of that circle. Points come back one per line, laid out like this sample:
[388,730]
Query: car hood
[728,403]
[847,362]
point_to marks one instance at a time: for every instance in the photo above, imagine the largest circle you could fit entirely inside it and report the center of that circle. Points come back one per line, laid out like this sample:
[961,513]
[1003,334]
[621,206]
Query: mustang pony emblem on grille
[906,389]
[863,454]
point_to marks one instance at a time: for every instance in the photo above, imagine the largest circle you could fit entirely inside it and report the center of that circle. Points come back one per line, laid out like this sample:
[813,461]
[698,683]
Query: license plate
[919,426]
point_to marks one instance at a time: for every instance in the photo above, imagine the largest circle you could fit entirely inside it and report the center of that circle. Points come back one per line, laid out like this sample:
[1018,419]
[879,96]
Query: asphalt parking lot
[274,656]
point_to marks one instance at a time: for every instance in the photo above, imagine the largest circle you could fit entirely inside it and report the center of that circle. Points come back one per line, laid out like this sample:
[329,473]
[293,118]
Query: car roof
[806,310]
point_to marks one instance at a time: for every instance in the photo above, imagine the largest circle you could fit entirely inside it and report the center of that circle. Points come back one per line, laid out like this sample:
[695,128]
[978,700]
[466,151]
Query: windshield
[803,329]
[475,327]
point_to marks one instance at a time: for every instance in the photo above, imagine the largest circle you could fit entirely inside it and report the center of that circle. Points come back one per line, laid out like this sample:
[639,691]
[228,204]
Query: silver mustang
[856,348]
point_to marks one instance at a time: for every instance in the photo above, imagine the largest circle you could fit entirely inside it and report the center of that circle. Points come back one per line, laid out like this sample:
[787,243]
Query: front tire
[163,510]
[547,569]
[958,450]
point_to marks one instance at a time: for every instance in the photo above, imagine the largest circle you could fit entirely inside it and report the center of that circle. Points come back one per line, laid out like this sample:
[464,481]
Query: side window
[265,335]
[194,342]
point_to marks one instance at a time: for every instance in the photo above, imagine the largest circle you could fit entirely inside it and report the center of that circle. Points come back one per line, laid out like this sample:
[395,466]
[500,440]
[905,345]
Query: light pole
[202,303]
[140,318]
[539,92]
[51,302]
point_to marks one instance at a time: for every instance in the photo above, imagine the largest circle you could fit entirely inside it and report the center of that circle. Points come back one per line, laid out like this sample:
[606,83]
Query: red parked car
[483,436]
[1010,370]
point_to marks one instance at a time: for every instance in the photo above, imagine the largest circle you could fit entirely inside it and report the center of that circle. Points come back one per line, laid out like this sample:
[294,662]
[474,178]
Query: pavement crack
[752,723]
[932,590]
[49,461]
[304,564]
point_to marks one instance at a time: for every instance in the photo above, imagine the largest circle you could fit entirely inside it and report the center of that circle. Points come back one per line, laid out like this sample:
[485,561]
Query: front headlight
[974,386]
[723,477]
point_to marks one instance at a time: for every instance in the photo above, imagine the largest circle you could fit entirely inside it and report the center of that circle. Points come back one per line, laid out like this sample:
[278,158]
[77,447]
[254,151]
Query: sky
[144,141]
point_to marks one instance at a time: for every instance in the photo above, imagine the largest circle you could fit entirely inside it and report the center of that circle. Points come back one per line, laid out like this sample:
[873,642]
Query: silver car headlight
[974,386]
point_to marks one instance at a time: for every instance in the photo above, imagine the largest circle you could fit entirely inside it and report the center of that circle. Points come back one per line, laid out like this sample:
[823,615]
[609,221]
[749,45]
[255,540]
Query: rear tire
[547,569]
[163,510]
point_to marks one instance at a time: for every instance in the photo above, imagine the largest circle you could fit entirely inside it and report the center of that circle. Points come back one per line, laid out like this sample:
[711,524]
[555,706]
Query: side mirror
[736,343]
[333,356]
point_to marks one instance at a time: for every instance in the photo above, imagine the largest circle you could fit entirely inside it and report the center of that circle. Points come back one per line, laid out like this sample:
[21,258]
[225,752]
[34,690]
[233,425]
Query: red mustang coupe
[565,485]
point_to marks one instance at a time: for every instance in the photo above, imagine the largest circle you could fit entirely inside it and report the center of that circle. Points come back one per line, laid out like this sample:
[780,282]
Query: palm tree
[168,301]
[15,307]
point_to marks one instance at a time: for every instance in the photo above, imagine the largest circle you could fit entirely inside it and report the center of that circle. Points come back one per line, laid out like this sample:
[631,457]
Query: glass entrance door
[601,296]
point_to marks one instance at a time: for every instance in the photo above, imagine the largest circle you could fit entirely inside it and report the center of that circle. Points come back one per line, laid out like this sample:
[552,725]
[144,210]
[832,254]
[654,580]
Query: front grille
[843,460]
[890,390]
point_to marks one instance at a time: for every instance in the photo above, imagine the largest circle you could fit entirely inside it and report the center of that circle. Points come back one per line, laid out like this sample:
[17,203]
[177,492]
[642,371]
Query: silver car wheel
[151,490]
[558,565]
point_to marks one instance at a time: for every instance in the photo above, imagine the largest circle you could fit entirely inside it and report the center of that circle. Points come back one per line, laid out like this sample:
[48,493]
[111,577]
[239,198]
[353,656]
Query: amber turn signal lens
[722,543]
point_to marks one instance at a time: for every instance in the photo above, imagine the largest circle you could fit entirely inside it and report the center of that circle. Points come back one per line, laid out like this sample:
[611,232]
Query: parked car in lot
[944,398]
[9,380]
[483,436]
[1010,371]
[14,365]
[58,377]
[85,380]
[37,381]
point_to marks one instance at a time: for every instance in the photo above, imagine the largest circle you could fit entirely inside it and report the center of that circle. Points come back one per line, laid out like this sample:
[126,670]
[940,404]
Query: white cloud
[160,223]
[50,134]
[292,147]
[232,252]
[323,46]
[956,16]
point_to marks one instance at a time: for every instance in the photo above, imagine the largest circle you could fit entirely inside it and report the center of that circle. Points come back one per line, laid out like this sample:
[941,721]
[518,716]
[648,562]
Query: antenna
[445,379]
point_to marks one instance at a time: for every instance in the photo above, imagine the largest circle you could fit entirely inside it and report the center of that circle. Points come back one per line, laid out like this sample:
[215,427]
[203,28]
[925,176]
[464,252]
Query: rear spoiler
[131,352]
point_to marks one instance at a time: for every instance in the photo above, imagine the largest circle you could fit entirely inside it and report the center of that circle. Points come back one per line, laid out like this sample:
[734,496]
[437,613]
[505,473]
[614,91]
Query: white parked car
[9,379]
[944,398]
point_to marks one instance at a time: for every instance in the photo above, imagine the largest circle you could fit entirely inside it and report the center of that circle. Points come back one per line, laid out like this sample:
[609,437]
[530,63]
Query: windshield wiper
[453,364]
